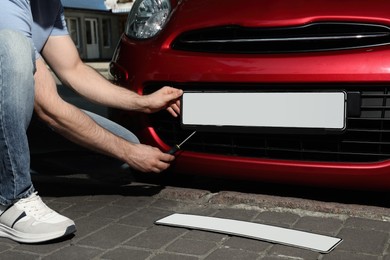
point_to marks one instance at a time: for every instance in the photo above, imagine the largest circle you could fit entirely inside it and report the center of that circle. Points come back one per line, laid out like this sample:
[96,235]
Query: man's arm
[71,122]
[62,56]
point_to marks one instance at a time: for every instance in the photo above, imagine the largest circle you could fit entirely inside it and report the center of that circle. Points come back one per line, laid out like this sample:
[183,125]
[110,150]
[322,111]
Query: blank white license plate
[309,110]
[284,236]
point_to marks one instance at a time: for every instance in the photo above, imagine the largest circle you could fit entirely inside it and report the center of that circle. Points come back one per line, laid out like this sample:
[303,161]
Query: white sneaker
[30,221]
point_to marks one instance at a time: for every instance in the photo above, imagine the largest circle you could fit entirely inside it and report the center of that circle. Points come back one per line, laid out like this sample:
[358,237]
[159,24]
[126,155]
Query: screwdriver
[176,148]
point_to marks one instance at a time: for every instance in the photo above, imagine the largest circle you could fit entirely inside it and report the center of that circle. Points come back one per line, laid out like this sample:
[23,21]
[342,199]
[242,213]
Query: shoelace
[34,206]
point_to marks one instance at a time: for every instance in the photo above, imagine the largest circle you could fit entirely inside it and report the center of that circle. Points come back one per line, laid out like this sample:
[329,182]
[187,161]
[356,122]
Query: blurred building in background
[96,26]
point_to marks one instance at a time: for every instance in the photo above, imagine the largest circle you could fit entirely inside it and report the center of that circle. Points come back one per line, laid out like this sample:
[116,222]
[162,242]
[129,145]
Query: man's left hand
[166,97]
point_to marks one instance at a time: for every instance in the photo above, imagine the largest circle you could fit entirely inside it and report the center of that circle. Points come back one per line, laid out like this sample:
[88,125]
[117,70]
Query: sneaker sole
[21,237]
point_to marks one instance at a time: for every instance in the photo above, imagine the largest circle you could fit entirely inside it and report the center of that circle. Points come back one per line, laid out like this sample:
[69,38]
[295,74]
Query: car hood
[194,14]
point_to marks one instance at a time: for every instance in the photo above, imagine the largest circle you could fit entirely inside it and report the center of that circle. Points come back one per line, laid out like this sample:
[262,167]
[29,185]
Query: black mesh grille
[312,37]
[366,139]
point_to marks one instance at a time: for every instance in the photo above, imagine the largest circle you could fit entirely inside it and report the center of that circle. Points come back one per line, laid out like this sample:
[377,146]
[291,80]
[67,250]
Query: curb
[300,206]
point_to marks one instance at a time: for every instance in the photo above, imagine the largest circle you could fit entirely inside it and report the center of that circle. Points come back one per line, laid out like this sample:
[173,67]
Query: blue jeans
[17,66]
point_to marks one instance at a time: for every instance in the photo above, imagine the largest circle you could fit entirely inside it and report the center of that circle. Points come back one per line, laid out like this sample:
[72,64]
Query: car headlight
[147,18]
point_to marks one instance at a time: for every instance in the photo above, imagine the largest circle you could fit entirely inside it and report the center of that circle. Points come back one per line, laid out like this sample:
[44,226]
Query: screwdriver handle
[174,149]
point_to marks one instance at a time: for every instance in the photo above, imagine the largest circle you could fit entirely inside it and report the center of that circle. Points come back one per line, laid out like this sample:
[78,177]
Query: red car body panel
[138,63]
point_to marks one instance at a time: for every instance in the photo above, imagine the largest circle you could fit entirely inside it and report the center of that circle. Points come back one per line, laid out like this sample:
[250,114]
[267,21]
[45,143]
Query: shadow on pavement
[85,173]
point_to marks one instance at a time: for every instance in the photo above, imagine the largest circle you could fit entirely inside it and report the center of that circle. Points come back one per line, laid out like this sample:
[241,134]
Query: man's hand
[166,97]
[146,158]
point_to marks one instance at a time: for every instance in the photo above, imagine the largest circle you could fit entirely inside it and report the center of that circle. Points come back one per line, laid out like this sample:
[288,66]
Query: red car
[286,48]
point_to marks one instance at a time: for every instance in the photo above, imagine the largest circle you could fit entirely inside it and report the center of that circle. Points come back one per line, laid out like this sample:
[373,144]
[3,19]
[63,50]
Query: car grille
[366,138]
[308,38]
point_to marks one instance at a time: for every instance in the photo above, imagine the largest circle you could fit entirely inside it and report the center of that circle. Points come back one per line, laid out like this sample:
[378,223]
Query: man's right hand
[146,158]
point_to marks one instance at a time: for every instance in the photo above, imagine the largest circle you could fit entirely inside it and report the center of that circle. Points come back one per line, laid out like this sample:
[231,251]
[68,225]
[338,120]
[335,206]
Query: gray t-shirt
[37,19]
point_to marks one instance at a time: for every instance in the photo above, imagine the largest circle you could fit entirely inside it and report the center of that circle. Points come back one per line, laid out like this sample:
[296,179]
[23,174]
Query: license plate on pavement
[264,110]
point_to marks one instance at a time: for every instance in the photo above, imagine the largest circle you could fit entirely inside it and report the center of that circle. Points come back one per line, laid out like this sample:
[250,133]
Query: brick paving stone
[292,252]
[348,256]
[4,248]
[114,212]
[362,223]
[363,241]
[122,253]
[237,214]
[182,207]
[282,219]
[205,236]
[166,204]
[191,247]
[90,224]
[105,199]
[228,253]
[325,226]
[201,210]
[267,257]
[44,248]
[156,237]
[18,256]
[84,206]
[247,244]
[137,202]
[145,217]
[110,236]
[74,253]
[66,199]
[8,242]
[168,256]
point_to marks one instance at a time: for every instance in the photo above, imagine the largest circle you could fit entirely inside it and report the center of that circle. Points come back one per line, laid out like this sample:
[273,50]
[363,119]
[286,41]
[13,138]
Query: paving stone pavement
[117,222]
